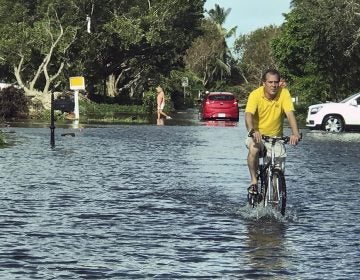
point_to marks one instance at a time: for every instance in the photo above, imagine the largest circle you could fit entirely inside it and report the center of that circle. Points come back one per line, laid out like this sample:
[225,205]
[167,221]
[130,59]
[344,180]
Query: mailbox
[64,105]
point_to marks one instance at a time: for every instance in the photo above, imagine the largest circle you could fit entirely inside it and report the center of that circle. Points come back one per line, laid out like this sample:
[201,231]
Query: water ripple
[148,202]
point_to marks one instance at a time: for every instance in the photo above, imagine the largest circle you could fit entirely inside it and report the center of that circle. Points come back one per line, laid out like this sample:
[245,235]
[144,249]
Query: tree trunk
[110,86]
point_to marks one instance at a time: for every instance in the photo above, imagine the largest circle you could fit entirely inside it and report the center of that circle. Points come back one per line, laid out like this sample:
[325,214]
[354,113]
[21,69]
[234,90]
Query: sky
[249,15]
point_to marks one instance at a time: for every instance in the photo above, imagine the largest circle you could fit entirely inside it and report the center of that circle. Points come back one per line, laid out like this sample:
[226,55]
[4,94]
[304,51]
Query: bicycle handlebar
[285,139]
[267,138]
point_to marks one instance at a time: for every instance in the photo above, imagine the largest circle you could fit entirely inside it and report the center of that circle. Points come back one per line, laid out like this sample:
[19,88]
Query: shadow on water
[266,254]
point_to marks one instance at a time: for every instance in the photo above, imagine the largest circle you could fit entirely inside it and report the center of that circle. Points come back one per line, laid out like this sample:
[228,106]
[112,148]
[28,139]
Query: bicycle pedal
[252,200]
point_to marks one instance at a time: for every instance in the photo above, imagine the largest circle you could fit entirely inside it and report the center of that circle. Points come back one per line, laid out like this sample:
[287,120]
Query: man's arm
[295,136]
[249,123]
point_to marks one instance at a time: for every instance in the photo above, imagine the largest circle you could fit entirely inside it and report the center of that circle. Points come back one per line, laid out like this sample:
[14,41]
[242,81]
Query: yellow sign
[77,83]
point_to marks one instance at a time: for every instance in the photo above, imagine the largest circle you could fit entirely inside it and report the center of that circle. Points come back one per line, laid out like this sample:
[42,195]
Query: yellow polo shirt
[269,114]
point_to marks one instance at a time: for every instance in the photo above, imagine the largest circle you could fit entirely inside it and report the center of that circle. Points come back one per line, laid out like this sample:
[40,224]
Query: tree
[46,41]
[35,40]
[13,103]
[218,15]
[143,40]
[209,56]
[254,52]
[318,48]
[205,55]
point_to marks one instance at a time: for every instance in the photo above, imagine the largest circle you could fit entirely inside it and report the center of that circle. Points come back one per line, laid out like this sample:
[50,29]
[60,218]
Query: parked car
[219,106]
[335,117]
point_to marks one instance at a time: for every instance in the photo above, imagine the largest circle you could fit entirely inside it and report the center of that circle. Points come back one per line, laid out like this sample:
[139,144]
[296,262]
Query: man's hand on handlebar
[294,139]
[256,135]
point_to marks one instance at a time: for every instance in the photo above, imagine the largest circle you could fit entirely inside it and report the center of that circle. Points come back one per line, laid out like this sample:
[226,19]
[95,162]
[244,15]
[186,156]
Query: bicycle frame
[270,192]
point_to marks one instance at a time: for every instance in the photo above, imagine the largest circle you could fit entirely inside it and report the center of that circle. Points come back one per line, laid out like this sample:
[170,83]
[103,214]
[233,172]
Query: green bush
[149,102]
[301,113]
[108,109]
[112,112]
[13,103]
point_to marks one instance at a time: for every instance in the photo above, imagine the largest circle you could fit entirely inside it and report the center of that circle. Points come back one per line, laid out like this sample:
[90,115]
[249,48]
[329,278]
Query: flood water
[169,202]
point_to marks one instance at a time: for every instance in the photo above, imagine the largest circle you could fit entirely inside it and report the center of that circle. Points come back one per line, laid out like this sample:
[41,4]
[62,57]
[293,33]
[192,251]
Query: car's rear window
[221,97]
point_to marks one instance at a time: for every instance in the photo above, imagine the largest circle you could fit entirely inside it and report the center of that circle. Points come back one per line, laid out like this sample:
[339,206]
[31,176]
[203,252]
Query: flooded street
[169,202]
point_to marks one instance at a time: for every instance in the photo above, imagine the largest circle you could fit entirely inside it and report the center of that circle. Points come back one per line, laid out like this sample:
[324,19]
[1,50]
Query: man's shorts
[280,152]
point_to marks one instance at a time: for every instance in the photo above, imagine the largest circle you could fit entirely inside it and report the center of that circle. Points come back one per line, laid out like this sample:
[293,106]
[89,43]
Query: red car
[220,106]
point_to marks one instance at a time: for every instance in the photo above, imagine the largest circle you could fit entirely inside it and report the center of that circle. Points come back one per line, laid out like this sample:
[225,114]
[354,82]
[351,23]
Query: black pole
[52,123]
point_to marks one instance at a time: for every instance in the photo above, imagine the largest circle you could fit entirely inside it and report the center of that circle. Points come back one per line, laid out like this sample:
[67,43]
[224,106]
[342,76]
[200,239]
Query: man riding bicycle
[264,115]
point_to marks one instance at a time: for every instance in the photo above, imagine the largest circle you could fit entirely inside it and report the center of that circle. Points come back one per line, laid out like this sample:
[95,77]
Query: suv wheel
[333,124]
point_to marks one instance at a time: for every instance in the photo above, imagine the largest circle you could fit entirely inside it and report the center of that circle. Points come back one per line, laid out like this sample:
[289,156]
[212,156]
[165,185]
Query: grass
[116,119]
[2,139]
[113,113]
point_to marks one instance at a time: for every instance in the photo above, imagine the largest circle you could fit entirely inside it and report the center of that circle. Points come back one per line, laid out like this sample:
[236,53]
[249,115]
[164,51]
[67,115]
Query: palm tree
[218,15]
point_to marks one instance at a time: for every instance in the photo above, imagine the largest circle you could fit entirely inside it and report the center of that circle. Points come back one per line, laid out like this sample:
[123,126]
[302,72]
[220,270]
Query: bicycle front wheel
[279,191]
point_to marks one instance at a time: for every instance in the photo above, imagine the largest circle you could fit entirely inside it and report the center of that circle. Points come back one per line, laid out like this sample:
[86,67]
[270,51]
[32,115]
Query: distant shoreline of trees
[125,51]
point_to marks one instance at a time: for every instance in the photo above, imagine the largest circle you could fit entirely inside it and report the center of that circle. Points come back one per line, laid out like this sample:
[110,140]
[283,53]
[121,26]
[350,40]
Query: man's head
[271,79]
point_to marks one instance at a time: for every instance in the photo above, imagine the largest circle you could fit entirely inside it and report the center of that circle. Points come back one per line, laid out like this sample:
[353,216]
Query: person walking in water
[161,103]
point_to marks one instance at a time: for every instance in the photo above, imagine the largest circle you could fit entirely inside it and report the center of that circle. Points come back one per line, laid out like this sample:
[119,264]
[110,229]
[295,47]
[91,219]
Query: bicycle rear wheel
[279,191]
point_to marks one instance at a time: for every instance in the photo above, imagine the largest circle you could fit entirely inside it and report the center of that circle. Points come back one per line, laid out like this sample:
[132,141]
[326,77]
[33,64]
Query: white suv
[335,117]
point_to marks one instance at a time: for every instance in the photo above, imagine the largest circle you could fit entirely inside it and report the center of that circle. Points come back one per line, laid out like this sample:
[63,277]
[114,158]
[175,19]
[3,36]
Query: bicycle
[271,178]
